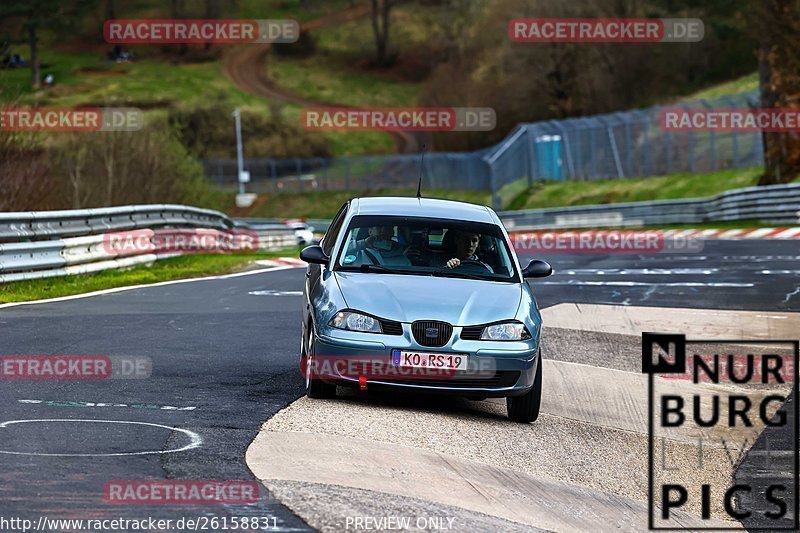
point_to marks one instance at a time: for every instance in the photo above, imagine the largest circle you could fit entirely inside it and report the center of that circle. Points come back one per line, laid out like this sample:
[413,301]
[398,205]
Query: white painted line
[787,234]
[730,233]
[710,232]
[686,233]
[640,271]
[758,233]
[696,323]
[643,284]
[276,293]
[195,439]
[63,403]
[143,286]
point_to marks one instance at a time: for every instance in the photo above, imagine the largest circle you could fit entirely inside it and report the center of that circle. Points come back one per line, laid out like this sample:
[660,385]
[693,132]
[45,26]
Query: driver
[465,246]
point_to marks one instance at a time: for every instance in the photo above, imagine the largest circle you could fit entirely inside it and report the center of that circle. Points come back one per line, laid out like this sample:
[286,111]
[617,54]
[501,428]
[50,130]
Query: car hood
[406,298]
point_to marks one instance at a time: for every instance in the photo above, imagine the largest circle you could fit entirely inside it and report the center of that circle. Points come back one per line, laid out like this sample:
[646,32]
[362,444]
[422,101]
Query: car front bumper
[496,369]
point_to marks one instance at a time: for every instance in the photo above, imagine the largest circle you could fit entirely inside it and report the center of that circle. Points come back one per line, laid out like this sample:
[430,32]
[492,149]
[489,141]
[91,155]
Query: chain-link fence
[442,171]
[616,145]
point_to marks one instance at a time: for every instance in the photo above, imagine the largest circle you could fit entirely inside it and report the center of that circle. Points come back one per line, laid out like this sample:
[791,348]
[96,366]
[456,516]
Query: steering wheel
[472,262]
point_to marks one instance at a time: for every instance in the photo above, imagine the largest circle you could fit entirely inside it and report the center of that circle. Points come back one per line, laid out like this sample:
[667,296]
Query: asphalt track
[232,355]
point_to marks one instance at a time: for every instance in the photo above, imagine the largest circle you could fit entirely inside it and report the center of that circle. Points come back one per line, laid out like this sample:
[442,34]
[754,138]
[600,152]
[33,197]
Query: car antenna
[421,172]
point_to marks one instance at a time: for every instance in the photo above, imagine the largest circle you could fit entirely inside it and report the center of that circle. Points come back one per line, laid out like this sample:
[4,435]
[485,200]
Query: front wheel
[525,408]
[315,388]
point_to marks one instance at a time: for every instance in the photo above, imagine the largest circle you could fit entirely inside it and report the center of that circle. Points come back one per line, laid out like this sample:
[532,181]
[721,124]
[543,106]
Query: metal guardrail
[41,244]
[769,204]
[779,204]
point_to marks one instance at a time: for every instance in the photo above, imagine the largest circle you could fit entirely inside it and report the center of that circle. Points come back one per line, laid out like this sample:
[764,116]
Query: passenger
[379,248]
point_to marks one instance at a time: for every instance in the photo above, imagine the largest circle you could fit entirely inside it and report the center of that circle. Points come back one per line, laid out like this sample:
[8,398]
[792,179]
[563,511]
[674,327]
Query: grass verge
[559,194]
[325,204]
[317,204]
[184,267]
[514,196]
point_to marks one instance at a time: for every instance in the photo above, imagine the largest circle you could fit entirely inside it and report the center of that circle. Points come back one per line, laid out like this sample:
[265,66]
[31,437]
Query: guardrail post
[712,140]
[531,155]
[690,145]
[493,189]
[646,148]
[592,144]
[668,151]
[628,145]
[612,142]
[734,137]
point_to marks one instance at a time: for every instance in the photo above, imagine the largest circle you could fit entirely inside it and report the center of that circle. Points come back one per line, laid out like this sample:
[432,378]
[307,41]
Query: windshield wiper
[449,273]
[373,268]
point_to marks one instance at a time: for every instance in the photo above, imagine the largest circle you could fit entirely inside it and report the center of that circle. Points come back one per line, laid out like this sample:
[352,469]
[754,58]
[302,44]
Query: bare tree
[25,179]
[381,24]
[73,160]
[777,27]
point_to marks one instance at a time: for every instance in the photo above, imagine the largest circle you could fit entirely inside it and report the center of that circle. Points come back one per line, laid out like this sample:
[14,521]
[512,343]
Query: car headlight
[507,331]
[354,321]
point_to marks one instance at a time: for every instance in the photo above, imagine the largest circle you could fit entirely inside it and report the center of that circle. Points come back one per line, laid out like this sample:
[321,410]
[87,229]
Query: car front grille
[472,333]
[390,327]
[431,332]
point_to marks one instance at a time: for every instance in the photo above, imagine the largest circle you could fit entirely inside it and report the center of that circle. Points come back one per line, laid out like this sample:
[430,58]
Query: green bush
[209,132]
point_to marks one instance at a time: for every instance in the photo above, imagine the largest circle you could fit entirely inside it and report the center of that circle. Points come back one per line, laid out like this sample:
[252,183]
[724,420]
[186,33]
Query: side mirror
[536,269]
[314,254]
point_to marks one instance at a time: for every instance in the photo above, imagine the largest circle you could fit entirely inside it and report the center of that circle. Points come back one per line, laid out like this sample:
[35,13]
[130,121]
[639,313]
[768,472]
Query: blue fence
[616,145]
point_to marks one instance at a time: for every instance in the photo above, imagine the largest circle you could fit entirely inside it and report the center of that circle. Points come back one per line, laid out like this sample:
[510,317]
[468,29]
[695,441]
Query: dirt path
[245,66]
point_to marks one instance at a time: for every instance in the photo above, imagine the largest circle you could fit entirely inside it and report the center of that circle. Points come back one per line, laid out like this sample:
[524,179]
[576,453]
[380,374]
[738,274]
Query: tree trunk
[34,42]
[380,27]
[778,26]
[772,169]
[211,11]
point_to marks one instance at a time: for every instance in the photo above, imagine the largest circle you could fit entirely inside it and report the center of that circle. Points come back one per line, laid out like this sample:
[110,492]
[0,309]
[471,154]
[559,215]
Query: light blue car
[421,295]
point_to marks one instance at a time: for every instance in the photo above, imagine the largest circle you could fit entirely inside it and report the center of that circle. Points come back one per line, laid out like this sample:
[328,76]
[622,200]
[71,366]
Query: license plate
[444,361]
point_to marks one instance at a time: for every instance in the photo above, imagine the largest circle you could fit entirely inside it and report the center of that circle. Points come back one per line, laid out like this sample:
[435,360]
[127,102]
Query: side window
[333,230]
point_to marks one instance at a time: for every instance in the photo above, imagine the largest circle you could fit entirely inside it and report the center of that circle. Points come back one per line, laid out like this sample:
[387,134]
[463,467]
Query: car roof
[422,207]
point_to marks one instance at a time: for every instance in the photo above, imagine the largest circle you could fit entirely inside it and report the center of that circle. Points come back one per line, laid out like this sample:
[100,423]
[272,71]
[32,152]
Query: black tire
[315,388]
[525,408]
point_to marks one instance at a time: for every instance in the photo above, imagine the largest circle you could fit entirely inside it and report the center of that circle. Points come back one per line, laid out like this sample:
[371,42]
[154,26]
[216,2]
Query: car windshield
[426,246]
